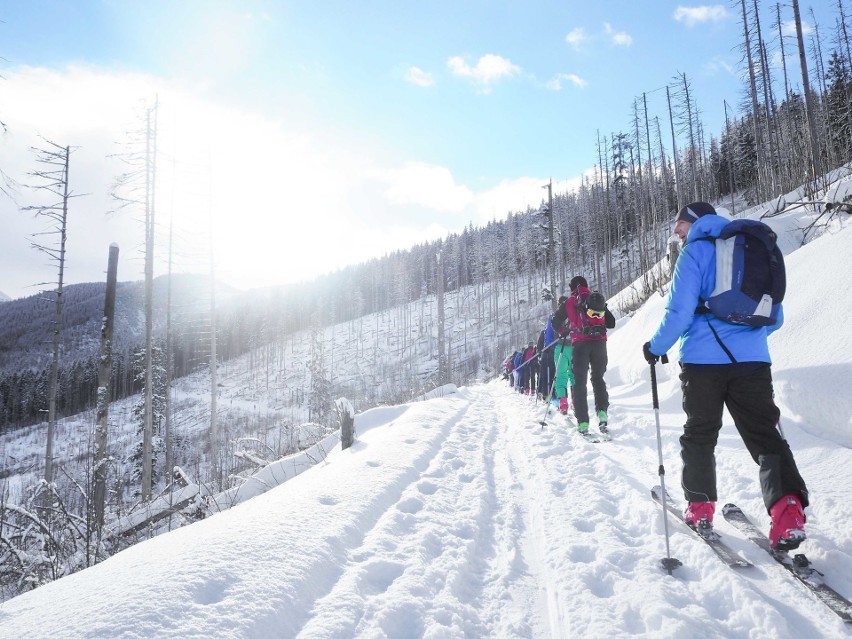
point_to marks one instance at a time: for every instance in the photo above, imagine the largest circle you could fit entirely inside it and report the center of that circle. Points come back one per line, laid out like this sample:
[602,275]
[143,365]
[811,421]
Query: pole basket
[670,563]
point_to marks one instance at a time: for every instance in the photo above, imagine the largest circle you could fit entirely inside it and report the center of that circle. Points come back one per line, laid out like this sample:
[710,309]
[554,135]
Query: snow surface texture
[460,516]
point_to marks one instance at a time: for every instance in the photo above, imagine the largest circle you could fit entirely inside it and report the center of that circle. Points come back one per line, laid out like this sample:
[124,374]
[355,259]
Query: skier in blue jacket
[711,380]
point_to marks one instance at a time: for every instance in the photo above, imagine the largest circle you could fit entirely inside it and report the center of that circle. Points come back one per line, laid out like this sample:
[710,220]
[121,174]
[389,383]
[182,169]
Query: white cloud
[418,76]
[556,83]
[517,194]
[426,185]
[788,28]
[576,37]
[509,195]
[619,38]
[269,184]
[489,68]
[289,198]
[718,64]
[699,15]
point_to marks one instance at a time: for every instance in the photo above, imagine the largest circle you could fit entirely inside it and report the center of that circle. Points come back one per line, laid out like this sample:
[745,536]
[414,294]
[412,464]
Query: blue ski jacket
[550,334]
[695,277]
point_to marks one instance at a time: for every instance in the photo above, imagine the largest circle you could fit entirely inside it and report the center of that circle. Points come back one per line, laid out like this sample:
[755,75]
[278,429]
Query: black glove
[649,356]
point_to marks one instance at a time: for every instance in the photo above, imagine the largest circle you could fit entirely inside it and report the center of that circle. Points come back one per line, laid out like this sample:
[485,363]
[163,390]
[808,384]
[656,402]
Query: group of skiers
[571,344]
[723,363]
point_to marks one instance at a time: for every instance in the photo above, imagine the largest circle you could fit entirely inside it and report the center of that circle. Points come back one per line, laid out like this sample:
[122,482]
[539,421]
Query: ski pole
[543,421]
[669,562]
[537,355]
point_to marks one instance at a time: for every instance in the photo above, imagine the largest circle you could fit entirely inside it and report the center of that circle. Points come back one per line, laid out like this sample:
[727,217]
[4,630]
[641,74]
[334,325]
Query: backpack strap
[702,308]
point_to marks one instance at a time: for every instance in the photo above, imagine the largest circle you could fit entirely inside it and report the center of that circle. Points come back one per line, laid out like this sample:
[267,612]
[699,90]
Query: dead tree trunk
[806,87]
[104,379]
[53,179]
[678,179]
[150,183]
[442,357]
[755,108]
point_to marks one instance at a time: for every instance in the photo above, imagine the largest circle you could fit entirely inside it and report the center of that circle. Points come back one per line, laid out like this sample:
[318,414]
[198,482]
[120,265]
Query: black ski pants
[525,377]
[548,371]
[588,355]
[746,389]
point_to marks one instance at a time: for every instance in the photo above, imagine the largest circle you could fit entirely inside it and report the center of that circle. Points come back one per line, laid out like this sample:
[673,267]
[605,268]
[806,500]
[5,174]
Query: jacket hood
[706,226]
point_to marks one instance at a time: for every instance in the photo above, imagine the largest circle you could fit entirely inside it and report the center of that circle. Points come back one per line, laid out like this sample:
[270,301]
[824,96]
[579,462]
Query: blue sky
[362,126]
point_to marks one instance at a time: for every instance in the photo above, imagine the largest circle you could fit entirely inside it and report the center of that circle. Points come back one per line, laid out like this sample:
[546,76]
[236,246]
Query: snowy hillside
[462,516]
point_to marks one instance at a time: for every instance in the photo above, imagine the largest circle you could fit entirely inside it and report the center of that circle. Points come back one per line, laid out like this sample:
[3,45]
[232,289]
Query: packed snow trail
[456,517]
[512,530]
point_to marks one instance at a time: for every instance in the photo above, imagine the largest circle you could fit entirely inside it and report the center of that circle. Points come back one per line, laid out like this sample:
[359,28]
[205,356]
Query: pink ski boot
[788,523]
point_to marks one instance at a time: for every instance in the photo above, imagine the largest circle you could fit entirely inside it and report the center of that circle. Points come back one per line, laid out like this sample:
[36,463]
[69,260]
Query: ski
[798,565]
[589,437]
[714,540]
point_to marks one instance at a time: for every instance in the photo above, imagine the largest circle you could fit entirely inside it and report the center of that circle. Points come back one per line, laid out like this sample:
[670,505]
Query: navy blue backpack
[750,276]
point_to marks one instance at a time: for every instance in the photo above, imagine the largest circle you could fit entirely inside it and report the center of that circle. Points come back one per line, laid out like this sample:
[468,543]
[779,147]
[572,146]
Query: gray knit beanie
[692,212]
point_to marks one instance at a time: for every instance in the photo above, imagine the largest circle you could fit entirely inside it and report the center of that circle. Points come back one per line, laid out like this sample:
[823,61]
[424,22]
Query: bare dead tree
[135,189]
[439,287]
[104,384]
[810,109]
[686,115]
[731,161]
[678,180]
[755,107]
[667,184]
[843,45]
[816,51]
[609,232]
[783,52]
[844,31]
[785,131]
[766,82]
[652,180]
[169,444]
[641,210]
[150,190]
[52,178]
[214,358]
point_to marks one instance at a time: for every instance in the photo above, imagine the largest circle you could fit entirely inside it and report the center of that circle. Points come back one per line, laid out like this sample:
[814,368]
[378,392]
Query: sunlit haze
[309,136]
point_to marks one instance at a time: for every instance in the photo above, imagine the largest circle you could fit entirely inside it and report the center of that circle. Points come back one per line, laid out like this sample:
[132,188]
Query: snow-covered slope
[462,516]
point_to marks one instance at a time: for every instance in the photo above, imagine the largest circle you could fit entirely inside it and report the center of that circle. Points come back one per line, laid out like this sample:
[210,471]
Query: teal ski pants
[564,375]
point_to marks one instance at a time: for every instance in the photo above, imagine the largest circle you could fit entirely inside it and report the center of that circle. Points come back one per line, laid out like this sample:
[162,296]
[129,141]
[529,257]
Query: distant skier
[528,370]
[509,367]
[712,379]
[516,368]
[588,319]
[562,353]
[547,368]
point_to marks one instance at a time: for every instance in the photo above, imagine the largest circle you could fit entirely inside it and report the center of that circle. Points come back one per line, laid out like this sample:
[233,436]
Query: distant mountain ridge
[26,323]
[4,297]
[26,345]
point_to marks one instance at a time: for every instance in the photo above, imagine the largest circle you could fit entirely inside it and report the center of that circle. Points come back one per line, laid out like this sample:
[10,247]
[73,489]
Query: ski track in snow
[464,517]
[428,549]
[480,541]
